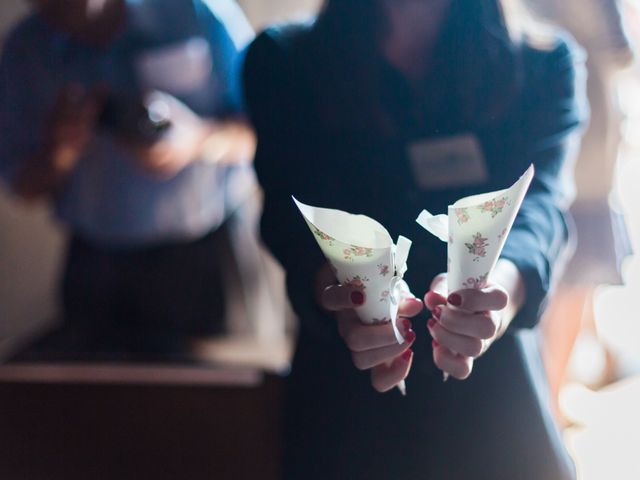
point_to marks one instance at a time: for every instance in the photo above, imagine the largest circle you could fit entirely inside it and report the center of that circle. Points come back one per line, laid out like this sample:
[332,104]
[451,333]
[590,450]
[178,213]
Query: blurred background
[591,330]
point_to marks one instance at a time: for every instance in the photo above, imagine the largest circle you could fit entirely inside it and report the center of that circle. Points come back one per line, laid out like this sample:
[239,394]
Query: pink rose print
[357,282]
[478,247]
[462,215]
[476,283]
[323,236]
[494,206]
[502,234]
[384,269]
[384,296]
[354,251]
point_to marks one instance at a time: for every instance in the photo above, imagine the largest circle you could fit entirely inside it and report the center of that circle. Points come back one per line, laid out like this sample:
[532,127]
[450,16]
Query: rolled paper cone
[475,230]
[363,255]
[478,228]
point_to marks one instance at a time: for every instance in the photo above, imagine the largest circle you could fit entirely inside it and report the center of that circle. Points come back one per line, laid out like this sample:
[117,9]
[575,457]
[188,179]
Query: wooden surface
[103,431]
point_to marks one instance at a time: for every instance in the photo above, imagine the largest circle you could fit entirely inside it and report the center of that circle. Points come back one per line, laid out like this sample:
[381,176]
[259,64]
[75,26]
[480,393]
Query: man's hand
[67,133]
[180,145]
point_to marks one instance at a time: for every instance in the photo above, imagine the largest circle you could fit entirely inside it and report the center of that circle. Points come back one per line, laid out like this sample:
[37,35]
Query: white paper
[362,254]
[475,230]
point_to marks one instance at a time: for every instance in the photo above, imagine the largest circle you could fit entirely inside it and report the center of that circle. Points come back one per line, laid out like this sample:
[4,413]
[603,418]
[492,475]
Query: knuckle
[353,340]
[377,384]
[488,327]
[474,347]
[463,369]
[358,361]
[502,299]
[445,319]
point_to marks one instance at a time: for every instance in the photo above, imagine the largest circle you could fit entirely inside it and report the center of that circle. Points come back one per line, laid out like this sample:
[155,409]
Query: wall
[30,249]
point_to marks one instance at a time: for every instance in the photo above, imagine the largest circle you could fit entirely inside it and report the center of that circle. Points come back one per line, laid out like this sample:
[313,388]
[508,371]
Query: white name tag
[448,162]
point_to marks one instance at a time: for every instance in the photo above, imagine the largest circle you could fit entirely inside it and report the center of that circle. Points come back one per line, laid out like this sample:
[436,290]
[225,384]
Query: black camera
[133,120]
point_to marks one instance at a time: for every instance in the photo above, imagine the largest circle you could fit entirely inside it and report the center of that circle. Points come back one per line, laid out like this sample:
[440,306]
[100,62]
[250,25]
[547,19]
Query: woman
[345,109]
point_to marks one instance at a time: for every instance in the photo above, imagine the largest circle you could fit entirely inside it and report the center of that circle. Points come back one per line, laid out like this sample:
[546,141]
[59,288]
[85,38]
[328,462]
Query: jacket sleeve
[275,102]
[554,107]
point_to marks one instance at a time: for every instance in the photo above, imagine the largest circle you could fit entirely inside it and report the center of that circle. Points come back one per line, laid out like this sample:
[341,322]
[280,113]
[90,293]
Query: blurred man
[125,114]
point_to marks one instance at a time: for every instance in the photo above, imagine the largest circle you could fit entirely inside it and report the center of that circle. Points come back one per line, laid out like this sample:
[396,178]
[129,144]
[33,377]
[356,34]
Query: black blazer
[496,424]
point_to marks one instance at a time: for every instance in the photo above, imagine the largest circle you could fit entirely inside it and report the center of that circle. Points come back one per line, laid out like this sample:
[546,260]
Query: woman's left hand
[464,325]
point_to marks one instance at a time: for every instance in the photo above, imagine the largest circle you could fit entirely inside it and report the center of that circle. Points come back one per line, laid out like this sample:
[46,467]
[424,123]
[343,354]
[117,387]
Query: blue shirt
[107,199]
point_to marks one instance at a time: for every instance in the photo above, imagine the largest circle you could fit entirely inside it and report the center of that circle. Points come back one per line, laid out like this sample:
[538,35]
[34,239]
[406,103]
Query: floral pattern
[462,215]
[357,282]
[323,236]
[502,234]
[477,283]
[494,206]
[479,246]
[384,269]
[384,296]
[355,251]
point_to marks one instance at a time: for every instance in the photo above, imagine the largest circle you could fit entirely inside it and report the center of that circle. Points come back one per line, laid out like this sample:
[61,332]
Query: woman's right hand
[373,347]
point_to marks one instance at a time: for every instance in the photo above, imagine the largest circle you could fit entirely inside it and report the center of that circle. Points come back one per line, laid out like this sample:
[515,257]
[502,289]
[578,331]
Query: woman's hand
[373,347]
[467,322]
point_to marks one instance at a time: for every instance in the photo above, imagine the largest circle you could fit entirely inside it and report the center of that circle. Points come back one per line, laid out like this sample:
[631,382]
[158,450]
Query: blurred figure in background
[126,115]
[601,233]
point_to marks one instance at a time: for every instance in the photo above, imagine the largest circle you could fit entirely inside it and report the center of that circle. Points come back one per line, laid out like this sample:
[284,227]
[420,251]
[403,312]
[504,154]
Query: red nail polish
[435,344]
[406,325]
[410,336]
[431,323]
[406,356]
[455,299]
[357,297]
[436,313]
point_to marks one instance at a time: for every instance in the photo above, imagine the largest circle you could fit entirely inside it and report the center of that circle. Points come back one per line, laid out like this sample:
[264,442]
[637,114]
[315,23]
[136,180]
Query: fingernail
[455,299]
[431,323]
[357,297]
[410,336]
[435,344]
[406,325]
[406,356]
[436,313]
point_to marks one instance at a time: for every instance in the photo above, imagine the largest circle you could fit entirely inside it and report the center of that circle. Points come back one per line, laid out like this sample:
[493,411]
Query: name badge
[455,161]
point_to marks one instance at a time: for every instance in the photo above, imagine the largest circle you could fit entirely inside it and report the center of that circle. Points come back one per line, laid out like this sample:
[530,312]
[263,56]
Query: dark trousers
[145,299]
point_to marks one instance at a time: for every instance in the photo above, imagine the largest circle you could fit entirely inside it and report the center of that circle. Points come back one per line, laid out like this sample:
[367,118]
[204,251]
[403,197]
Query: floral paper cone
[476,229]
[362,254]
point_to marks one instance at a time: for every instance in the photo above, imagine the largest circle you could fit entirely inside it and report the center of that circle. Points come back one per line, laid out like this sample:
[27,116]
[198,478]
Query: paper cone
[362,254]
[476,229]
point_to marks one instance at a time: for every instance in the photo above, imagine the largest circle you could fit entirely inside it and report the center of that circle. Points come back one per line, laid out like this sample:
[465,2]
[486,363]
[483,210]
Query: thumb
[342,297]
